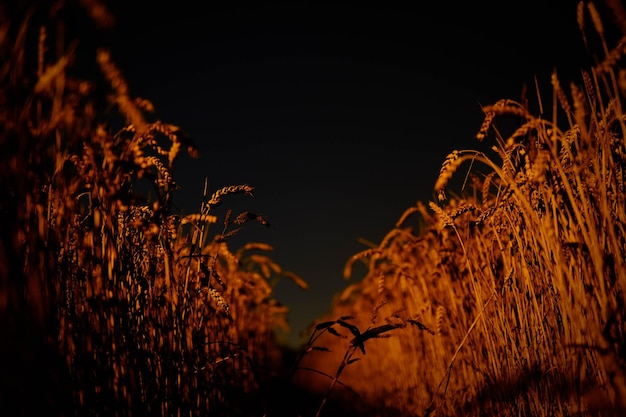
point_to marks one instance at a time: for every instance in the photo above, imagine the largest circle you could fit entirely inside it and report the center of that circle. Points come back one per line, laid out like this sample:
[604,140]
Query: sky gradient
[340,117]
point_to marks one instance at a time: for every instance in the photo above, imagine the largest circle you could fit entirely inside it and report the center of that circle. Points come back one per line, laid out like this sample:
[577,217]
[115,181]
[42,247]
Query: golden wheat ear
[216,197]
[347,271]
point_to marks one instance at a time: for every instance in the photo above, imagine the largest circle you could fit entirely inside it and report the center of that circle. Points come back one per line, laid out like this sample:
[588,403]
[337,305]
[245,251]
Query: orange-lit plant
[520,275]
[115,304]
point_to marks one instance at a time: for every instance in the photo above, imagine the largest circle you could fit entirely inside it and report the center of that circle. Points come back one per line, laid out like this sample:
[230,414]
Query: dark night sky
[339,116]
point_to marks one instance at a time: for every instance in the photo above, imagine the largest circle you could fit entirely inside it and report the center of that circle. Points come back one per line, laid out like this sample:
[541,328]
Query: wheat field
[502,298]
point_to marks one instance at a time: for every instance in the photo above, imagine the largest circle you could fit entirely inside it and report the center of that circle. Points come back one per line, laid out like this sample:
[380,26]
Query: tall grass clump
[112,302]
[515,282]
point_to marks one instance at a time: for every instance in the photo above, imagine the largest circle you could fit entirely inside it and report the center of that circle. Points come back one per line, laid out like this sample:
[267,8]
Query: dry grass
[505,298]
[116,304]
[517,281]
